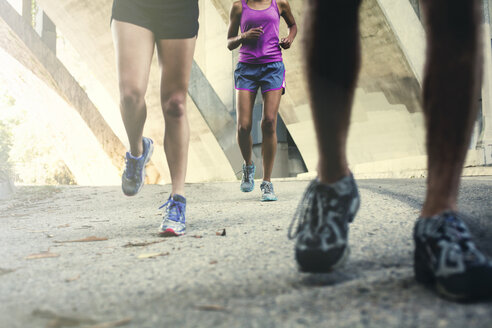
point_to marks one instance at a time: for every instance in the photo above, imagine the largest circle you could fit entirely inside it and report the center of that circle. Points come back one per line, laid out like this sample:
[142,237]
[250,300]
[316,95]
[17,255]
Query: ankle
[435,207]
[178,192]
[332,177]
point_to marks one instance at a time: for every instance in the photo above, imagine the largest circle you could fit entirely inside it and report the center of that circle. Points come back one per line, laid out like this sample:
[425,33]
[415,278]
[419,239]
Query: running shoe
[173,221]
[323,216]
[248,180]
[267,193]
[447,259]
[133,177]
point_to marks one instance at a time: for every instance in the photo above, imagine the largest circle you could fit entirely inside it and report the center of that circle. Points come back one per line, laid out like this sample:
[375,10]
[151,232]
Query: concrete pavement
[129,276]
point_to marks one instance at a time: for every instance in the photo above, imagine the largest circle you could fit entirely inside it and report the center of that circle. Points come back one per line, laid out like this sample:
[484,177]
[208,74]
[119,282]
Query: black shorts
[167,19]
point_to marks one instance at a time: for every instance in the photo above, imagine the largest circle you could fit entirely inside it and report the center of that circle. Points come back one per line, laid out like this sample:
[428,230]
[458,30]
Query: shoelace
[176,208]
[452,229]
[449,227]
[130,167]
[267,188]
[302,210]
[246,173]
[315,191]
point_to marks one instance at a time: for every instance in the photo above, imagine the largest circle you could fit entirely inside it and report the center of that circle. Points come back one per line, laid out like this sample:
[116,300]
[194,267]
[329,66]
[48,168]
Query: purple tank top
[266,49]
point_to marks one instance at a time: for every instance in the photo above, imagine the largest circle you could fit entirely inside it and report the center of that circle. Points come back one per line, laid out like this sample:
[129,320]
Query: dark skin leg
[271,102]
[332,75]
[451,88]
[451,93]
[245,104]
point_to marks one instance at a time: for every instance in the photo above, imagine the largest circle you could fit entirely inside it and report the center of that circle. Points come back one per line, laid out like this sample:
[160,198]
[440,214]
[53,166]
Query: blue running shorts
[269,76]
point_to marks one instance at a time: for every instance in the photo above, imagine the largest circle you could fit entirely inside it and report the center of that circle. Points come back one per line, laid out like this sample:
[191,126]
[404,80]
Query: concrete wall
[387,125]
[86,25]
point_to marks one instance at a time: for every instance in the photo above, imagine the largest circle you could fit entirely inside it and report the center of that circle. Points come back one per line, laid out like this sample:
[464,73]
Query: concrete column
[27,11]
[48,33]
[485,139]
[43,25]
[416,6]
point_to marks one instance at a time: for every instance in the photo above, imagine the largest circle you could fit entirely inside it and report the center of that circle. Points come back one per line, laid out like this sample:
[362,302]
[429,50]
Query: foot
[267,193]
[173,221]
[248,180]
[446,258]
[322,233]
[133,176]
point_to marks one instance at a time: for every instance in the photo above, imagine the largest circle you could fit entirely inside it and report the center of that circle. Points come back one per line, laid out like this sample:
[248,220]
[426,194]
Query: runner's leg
[271,103]
[333,61]
[451,93]
[245,104]
[176,58]
[134,46]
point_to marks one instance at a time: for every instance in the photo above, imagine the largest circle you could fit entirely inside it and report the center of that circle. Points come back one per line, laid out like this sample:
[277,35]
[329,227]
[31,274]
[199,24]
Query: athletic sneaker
[248,180]
[324,214]
[267,193]
[446,258]
[173,221]
[133,177]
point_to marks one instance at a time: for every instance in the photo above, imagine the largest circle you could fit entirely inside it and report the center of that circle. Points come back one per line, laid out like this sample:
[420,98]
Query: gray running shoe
[447,259]
[174,221]
[133,177]
[248,180]
[322,233]
[267,193]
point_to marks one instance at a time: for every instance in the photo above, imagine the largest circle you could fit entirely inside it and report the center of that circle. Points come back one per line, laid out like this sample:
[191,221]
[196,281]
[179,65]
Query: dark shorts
[269,77]
[167,19]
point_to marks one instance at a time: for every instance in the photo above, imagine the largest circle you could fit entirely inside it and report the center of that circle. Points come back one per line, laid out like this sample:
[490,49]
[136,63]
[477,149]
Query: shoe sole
[318,261]
[147,160]
[170,233]
[425,277]
[268,200]
[247,190]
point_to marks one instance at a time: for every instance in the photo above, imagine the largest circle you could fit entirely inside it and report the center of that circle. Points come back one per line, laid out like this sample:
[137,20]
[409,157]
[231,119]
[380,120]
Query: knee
[174,106]
[268,126]
[243,129]
[132,98]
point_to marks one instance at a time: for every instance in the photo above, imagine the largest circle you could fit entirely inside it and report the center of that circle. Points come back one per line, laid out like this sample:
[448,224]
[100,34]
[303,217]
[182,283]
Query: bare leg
[271,102]
[245,104]
[451,93]
[176,58]
[332,74]
[134,46]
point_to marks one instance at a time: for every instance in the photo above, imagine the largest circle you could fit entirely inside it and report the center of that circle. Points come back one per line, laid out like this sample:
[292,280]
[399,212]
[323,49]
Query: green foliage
[34,12]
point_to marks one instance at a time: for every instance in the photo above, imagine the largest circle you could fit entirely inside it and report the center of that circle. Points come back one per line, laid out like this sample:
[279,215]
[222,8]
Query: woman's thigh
[176,59]
[134,47]
[245,104]
[271,104]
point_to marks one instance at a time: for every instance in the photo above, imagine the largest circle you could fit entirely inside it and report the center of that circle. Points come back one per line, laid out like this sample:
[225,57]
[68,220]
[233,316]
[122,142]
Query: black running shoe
[324,214]
[446,258]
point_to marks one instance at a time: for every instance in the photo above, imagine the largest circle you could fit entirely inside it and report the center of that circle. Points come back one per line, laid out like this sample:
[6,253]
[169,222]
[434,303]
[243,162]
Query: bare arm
[286,13]
[233,39]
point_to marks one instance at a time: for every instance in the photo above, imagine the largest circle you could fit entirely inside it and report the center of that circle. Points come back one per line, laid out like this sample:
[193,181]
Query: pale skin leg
[176,58]
[245,104]
[271,103]
[134,46]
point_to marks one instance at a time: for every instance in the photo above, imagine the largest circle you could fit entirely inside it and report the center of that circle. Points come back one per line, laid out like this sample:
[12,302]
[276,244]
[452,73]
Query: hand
[252,34]
[285,43]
